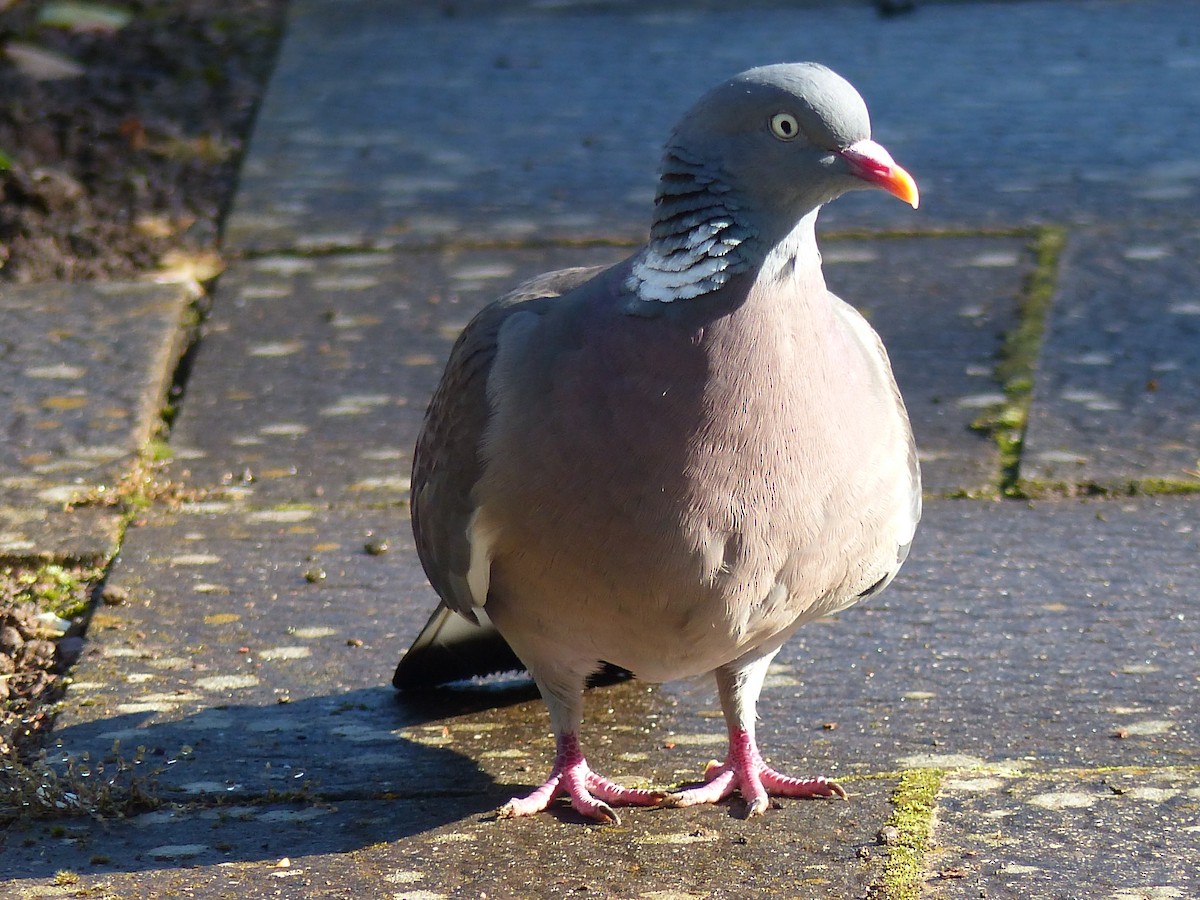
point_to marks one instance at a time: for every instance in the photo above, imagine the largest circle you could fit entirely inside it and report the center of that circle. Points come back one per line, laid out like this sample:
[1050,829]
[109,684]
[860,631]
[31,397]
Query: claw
[588,792]
[745,772]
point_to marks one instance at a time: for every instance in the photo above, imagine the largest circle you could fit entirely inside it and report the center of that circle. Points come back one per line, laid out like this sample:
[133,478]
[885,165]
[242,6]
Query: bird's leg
[744,771]
[590,794]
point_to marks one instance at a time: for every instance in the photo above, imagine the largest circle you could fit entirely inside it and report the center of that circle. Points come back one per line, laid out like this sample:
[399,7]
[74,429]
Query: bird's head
[753,159]
[782,140]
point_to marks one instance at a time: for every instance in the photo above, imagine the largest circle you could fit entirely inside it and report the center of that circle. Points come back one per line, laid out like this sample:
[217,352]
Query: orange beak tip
[873,164]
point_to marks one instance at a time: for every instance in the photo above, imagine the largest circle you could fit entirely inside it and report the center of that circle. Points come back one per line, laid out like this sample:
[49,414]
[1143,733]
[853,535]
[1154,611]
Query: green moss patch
[914,802]
[1006,422]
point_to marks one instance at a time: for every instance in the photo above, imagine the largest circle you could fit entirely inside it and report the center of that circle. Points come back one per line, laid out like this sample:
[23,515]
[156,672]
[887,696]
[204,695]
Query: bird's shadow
[246,782]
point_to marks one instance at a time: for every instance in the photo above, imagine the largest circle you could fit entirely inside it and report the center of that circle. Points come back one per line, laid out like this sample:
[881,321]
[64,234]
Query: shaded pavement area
[1035,663]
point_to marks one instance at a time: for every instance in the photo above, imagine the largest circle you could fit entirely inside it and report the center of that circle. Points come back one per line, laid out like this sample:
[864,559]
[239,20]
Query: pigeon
[667,466]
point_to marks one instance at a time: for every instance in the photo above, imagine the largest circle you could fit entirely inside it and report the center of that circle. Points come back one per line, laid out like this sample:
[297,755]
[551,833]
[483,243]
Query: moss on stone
[913,804]
[1006,421]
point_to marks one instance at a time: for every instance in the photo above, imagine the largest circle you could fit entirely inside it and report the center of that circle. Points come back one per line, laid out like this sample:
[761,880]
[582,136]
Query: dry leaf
[96,18]
[192,268]
[41,65]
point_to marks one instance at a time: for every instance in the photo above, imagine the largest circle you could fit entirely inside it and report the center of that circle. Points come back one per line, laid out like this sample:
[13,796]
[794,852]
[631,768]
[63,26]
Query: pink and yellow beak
[870,162]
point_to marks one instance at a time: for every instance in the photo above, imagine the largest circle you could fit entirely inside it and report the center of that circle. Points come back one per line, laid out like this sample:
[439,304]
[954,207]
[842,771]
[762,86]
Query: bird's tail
[449,648]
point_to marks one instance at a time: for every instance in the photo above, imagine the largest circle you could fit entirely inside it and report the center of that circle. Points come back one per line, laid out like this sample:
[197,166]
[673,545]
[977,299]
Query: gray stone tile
[263,642]
[386,124]
[1015,632]
[315,372]
[942,306]
[85,534]
[442,847]
[1117,835]
[83,373]
[1046,646]
[1116,387]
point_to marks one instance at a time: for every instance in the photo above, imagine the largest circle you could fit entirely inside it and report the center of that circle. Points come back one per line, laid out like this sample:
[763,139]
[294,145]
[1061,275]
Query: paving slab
[1115,835]
[1037,652]
[352,849]
[391,124]
[314,373]
[942,306]
[1119,373]
[84,370]
[1016,636]
[1051,635]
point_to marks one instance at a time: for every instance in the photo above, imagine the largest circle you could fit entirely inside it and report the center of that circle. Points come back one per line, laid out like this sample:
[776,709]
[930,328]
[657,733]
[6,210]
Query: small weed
[112,787]
[143,485]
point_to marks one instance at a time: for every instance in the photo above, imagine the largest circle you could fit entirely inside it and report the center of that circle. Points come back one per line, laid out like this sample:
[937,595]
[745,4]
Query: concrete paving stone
[942,306]
[1057,634]
[441,848]
[1119,373]
[86,533]
[315,372]
[388,124]
[83,373]
[1117,835]
[1016,636]
[263,642]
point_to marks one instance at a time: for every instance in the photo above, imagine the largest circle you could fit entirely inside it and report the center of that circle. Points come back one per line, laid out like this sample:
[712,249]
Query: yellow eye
[784,126]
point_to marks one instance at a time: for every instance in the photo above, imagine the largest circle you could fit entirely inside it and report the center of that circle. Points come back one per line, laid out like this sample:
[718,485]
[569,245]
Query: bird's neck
[701,238]
[795,255]
[697,239]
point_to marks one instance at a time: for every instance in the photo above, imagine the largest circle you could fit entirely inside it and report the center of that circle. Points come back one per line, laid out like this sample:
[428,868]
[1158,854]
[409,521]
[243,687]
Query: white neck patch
[699,262]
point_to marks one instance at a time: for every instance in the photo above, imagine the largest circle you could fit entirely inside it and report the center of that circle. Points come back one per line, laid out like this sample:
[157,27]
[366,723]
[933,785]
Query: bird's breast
[691,481]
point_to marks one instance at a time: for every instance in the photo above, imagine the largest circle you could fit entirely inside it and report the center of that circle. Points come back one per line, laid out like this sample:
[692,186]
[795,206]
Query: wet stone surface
[314,373]
[83,371]
[387,125]
[1117,835]
[1119,374]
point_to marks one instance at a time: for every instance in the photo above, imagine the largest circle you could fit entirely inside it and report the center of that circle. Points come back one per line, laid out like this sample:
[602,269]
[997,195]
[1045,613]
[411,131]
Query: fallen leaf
[134,132]
[191,268]
[95,18]
[41,65]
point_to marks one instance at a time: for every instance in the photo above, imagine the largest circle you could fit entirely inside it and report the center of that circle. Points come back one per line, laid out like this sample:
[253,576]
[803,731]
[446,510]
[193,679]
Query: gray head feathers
[747,162]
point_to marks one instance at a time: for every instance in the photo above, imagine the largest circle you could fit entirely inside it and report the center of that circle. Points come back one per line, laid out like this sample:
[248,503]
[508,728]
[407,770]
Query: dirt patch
[136,155]
[42,612]
[103,174]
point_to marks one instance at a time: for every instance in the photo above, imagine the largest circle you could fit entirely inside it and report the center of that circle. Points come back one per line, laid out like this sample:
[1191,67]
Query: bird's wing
[905,467]
[447,464]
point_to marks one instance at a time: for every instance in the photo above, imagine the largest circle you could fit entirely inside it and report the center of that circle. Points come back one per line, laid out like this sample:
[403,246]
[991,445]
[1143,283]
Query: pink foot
[587,791]
[744,771]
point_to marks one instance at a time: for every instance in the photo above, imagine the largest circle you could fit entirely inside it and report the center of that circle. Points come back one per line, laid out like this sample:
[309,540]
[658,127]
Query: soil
[103,175]
[136,156]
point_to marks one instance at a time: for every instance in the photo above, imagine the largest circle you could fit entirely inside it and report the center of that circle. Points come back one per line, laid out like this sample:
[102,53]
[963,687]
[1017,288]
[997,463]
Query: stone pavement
[1035,665]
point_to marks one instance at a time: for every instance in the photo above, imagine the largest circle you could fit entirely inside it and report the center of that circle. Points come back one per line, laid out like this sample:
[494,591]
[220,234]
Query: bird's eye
[784,126]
